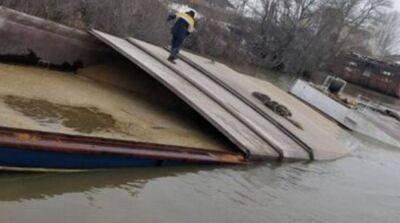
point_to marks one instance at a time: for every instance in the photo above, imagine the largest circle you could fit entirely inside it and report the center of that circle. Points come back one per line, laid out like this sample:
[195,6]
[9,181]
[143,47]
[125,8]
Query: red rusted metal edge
[55,142]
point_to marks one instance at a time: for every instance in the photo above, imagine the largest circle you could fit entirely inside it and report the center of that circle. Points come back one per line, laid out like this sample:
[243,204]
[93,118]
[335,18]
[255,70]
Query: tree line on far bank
[294,36]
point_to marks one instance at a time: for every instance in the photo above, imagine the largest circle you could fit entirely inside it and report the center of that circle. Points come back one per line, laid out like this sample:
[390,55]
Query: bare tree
[301,35]
[295,36]
[387,35]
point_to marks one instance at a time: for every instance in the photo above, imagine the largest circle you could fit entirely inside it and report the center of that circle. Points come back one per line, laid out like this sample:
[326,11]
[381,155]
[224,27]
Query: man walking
[183,27]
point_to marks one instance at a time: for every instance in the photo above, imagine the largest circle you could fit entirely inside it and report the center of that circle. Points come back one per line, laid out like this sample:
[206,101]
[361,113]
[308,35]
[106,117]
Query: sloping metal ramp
[319,136]
[255,132]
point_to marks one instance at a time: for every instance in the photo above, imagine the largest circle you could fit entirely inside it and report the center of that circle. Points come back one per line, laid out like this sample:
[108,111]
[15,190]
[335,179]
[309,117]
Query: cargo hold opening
[115,99]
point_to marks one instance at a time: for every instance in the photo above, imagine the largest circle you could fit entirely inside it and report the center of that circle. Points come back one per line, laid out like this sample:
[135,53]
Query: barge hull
[33,150]
[20,33]
[12,158]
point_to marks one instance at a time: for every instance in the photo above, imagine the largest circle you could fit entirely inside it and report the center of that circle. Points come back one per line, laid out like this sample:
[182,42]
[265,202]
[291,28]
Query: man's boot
[171,59]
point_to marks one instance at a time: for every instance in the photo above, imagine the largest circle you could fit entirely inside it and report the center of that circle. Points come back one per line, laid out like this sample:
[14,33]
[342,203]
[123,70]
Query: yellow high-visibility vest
[188,19]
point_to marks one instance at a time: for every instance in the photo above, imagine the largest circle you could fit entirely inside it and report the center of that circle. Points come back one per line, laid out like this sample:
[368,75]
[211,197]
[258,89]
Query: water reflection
[20,187]
[359,188]
[246,180]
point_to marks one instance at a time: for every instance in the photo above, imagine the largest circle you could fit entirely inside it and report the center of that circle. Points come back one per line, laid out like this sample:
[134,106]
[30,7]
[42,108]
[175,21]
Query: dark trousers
[177,42]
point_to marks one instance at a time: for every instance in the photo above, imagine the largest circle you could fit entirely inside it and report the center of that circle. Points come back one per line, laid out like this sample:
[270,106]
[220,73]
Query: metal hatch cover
[253,134]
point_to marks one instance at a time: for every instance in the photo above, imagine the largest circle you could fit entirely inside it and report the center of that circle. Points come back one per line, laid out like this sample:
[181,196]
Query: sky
[397,4]
[397,7]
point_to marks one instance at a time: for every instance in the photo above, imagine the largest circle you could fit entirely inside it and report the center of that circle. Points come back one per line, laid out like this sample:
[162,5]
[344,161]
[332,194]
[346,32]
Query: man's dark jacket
[180,28]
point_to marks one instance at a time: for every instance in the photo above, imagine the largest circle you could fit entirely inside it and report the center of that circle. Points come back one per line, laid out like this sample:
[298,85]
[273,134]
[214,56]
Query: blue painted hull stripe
[55,160]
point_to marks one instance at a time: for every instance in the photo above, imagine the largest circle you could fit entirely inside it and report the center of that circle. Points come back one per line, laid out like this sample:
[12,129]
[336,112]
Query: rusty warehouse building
[368,72]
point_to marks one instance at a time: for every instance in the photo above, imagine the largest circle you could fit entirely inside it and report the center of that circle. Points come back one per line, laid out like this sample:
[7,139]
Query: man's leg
[175,47]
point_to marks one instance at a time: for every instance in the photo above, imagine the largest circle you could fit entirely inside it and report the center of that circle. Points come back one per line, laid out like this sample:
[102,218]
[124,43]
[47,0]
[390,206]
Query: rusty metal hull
[20,32]
[31,150]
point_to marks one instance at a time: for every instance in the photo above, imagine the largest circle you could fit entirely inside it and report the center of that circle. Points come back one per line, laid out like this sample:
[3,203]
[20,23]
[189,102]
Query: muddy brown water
[363,187]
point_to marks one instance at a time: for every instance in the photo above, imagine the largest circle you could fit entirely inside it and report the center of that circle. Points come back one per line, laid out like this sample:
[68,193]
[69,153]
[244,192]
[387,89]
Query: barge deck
[125,90]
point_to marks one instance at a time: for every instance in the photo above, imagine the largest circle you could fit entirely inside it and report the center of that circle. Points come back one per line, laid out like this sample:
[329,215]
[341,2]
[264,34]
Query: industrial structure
[368,72]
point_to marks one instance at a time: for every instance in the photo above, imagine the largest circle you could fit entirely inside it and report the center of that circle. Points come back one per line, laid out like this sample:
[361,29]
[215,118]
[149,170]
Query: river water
[363,187]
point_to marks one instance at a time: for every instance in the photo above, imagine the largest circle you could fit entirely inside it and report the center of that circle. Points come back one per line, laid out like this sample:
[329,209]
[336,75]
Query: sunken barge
[74,100]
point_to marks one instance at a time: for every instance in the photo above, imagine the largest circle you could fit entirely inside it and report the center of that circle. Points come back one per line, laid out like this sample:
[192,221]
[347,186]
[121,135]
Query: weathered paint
[25,158]
[32,149]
